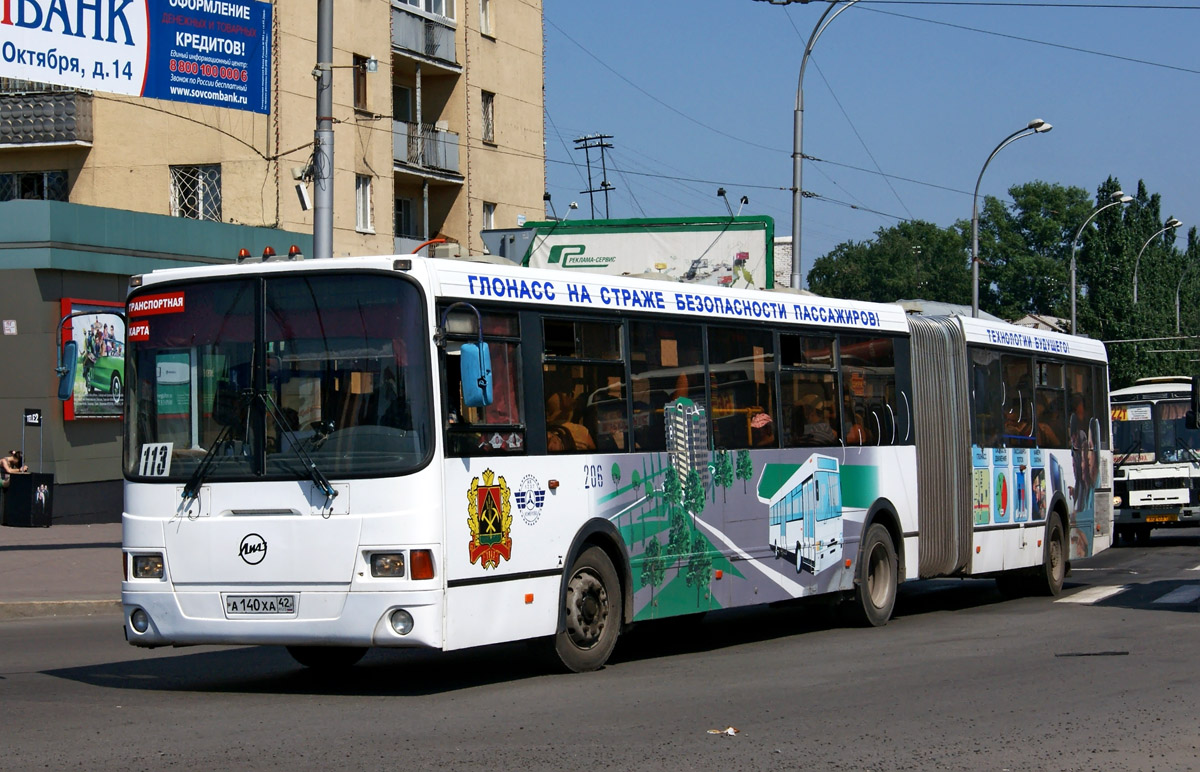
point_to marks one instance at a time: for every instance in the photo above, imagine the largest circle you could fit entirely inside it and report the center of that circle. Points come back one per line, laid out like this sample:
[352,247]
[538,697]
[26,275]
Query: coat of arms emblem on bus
[489,517]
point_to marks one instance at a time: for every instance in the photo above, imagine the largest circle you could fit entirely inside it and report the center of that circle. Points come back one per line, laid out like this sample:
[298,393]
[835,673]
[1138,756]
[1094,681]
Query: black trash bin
[28,500]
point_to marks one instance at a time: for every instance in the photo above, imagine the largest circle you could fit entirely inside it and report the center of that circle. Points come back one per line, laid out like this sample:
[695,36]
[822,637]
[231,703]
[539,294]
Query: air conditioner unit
[448,250]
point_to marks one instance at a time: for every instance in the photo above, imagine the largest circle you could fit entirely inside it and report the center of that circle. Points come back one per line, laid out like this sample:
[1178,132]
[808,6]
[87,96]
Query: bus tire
[592,613]
[877,581]
[1141,535]
[1048,579]
[327,657]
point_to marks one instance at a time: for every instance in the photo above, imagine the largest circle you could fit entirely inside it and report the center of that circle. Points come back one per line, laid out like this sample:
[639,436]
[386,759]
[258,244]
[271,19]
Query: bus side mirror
[66,370]
[475,362]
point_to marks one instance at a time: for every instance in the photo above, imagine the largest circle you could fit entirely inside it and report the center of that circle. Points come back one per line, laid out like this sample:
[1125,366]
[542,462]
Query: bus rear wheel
[327,657]
[592,612]
[877,581]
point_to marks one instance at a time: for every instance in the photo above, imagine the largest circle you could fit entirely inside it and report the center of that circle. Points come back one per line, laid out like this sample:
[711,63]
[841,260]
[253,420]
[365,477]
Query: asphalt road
[960,679]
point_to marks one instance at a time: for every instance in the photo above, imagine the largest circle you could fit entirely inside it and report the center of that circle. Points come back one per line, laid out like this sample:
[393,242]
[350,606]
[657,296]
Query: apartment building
[438,133]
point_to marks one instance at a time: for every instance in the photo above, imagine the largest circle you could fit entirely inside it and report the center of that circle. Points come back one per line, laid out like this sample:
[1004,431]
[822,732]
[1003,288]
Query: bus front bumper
[318,618]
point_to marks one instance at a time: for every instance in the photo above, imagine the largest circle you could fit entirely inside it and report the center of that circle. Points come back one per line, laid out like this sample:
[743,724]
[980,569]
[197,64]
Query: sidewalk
[61,570]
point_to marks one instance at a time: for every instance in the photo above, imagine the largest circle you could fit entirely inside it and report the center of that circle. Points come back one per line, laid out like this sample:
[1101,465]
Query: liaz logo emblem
[530,497]
[571,256]
[489,516]
[252,549]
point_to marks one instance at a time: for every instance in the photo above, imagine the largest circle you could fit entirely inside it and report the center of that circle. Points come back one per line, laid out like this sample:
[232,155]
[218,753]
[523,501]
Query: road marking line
[1194,568]
[1093,594]
[1185,594]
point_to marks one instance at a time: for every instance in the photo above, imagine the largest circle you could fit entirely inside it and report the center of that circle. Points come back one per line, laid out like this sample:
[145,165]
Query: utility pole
[323,137]
[587,144]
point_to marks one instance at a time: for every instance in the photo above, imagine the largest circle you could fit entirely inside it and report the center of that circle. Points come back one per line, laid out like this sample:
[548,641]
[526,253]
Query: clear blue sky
[700,94]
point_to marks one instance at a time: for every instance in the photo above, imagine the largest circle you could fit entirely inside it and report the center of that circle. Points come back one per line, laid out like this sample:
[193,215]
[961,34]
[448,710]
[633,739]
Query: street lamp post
[1117,197]
[1172,223]
[798,137]
[1036,126]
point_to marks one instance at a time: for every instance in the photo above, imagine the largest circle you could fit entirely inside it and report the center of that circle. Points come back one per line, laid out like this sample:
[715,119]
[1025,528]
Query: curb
[56,608]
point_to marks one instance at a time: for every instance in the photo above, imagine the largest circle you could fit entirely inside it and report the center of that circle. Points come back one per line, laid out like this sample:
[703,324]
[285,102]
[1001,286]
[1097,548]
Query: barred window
[196,192]
[41,186]
[489,116]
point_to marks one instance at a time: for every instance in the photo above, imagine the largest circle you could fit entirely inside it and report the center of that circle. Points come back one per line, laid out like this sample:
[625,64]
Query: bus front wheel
[592,610]
[1049,578]
[327,657]
[877,581]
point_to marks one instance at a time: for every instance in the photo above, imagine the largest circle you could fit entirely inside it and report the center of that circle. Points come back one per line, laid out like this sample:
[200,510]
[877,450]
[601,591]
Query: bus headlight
[1116,501]
[139,620]
[147,567]
[402,621]
[387,564]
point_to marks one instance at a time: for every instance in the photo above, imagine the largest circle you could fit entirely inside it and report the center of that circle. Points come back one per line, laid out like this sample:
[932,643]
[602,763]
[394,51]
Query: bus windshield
[1133,433]
[257,374]
[1176,442]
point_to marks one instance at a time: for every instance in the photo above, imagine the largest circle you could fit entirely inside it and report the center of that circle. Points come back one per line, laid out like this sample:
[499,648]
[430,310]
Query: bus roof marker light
[243,255]
[403,264]
[268,253]
[294,253]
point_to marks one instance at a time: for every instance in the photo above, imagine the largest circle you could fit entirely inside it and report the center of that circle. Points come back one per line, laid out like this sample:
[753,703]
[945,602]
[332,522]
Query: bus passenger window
[667,362]
[808,391]
[741,366]
[498,427]
[583,379]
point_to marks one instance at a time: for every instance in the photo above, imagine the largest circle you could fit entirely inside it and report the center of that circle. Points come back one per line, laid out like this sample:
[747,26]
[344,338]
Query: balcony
[425,147]
[38,118]
[423,36]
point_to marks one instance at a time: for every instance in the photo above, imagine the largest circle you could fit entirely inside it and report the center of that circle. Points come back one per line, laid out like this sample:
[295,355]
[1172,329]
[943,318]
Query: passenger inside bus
[565,432]
[817,429]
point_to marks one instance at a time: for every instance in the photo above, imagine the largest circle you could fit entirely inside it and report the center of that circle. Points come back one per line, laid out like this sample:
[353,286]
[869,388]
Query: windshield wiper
[1179,442]
[318,477]
[1137,441]
[191,491]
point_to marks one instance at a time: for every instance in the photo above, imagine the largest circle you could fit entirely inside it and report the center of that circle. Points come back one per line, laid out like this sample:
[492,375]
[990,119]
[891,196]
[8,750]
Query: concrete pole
[323,137]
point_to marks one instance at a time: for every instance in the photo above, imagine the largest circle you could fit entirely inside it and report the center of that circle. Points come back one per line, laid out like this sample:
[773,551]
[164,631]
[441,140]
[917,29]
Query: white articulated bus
[396,451]
[1156,458]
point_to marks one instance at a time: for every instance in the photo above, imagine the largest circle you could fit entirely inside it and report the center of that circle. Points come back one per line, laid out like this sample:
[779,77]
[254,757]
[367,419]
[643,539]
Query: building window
[196,192]
[402,104]
[485,17]
[362,197]
[404,226]
[41,186]
[489,215]
[489,116]
[360,82]
[440,7]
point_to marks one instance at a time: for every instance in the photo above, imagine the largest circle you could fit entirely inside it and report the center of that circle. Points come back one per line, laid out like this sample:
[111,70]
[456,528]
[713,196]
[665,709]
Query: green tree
[912,259]
[745,468]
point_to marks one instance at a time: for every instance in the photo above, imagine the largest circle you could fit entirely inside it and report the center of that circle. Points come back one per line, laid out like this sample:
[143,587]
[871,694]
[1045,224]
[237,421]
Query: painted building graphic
[687,439]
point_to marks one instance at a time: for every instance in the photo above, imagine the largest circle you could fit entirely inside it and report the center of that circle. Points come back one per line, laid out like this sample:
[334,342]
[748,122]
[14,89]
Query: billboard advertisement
[716,251]
[100,370]
[209,52]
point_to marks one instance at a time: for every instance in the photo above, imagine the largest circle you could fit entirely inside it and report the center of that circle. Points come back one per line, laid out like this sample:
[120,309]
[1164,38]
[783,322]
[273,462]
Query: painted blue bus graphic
[806,516]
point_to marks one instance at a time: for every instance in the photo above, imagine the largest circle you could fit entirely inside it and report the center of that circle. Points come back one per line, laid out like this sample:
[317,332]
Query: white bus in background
[395,451]
[1156,458]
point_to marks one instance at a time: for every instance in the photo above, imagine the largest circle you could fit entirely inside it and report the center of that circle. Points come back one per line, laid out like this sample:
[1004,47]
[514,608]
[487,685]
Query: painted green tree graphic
[654,567]
[699,567]
[745,468]
[693,495]
[723,473]
[616,475]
